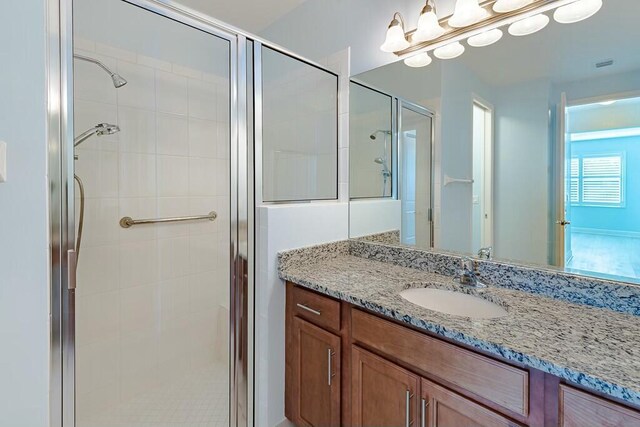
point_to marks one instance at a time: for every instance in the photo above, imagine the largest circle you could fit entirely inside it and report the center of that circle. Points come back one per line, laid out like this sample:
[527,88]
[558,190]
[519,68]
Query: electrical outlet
[3,161]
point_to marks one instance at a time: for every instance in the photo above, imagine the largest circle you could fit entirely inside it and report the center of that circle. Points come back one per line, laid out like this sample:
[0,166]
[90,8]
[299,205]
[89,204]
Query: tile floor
[606,256]
[199,399]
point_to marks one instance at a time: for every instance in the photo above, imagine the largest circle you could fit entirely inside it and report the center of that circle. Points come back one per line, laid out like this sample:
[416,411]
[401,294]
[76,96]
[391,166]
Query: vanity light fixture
[485,39]
[467,12]
[450,51]
[480,22]
[420,60]
[428,26]
[530,25]
[504,6]
[395,39]
[577,11]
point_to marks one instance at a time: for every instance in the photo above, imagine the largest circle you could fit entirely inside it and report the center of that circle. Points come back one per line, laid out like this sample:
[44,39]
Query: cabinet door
[443,408]
[316,375]
[580,409]
[382,393]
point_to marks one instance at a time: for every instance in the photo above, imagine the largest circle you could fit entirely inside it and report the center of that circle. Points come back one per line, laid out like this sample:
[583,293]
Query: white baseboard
[285,423]
[602,232]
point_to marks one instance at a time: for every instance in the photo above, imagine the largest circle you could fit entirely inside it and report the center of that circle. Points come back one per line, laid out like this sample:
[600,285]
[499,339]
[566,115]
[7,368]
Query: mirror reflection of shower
[383,161]
[100,129]
[118,80]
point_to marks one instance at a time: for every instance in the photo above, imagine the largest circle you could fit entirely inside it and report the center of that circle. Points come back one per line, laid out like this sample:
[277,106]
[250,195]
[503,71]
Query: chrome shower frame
[245,188]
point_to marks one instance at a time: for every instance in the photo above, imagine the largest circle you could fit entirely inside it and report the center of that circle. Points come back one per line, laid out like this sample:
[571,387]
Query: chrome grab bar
[127,221]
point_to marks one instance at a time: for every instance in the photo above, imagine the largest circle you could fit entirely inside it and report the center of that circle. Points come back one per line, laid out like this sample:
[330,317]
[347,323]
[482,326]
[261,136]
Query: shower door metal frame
[62,206]
[423,111]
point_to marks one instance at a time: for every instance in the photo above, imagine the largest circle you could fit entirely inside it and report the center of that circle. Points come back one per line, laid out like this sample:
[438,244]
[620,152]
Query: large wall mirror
[527,150]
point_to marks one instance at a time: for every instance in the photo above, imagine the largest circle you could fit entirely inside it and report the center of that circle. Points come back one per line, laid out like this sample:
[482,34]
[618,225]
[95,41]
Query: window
[597,180]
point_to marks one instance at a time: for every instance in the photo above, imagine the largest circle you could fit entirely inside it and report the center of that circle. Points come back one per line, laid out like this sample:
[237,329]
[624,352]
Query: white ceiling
[250,15]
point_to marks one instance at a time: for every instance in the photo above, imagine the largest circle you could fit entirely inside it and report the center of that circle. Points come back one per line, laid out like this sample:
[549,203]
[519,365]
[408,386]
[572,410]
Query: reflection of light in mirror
[605,103]
[467,12]
[529,25]
[485,39]
[578,11]
[395,39]
[428,26]
[450,51]
[503,6]
[419,60]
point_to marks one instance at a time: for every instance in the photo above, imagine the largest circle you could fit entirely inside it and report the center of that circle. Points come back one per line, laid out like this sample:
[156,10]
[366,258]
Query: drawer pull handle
[309,309]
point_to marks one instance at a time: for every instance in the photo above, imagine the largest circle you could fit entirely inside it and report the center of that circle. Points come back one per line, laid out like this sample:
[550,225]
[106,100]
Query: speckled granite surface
[594,347]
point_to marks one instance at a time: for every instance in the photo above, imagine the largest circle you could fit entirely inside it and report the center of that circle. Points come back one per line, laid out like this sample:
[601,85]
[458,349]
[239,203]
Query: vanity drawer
[320,310]
[502,384]
[580,409]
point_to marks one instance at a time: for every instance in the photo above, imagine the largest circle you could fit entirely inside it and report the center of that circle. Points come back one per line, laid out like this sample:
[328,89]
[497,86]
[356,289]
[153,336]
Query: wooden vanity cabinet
[345,366]
[382,393]
[316,375]
[440,407]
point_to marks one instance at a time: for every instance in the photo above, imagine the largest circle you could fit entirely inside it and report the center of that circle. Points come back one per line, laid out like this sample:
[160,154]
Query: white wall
[282,227]
[522,172]
[24,284]
[317,28]
[374,216]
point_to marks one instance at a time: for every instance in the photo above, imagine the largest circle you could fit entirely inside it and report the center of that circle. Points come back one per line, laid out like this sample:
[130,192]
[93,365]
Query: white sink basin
[454,303]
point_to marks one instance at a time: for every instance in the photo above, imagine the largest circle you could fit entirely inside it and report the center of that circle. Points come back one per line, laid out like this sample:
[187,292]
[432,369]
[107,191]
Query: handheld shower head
[118,80]
[99,129]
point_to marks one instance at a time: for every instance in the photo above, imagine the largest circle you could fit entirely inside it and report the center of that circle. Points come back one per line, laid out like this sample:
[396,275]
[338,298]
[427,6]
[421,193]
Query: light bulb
[428,26]
[577,11]
[529,25]
[450,51]
[420,60]
[504,6]
[395,40]
[485,39]
[467,12]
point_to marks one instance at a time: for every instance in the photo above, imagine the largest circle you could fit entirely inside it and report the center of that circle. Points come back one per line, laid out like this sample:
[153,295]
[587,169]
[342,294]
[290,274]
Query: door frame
[59,68]
[486,227]
[418,109]
[560,163]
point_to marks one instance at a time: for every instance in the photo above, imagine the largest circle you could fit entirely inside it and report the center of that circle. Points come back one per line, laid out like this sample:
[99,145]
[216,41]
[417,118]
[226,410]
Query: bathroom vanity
[357,353]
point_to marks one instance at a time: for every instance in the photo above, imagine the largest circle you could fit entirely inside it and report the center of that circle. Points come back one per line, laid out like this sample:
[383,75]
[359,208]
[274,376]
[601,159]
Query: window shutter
[602,180]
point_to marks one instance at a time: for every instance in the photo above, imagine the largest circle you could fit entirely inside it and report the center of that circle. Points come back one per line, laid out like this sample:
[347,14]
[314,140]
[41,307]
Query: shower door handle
[72,267]
[563,222]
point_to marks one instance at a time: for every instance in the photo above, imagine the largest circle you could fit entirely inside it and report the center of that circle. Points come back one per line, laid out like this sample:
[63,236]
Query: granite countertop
[594,347]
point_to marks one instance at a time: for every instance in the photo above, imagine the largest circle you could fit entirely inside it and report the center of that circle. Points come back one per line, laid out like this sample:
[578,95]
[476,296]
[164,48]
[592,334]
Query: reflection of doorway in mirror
[415,151]
[482,193]
[602,140]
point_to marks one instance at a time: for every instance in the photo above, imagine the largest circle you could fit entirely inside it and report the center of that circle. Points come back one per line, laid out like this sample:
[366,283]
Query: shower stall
[156,119]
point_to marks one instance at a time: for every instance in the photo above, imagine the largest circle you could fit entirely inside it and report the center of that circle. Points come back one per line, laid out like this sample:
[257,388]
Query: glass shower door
[152,122]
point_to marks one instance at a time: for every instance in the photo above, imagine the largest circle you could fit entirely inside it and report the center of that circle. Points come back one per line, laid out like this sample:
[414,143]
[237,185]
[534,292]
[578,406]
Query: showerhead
[100,129]
[373,136]
[118,80]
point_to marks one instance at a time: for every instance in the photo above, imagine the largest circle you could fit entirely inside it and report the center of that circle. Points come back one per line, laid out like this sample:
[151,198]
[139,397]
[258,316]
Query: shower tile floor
[199,399]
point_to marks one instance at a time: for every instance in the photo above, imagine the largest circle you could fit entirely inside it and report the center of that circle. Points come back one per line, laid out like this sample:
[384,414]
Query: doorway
[602,142]
[482,188]
[415,130]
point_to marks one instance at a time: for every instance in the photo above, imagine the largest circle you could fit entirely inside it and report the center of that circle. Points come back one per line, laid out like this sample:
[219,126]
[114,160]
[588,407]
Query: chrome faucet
[486,253]
[467,274]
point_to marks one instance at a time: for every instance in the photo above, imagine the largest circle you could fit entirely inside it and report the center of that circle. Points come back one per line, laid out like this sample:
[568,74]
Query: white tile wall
[152,301]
